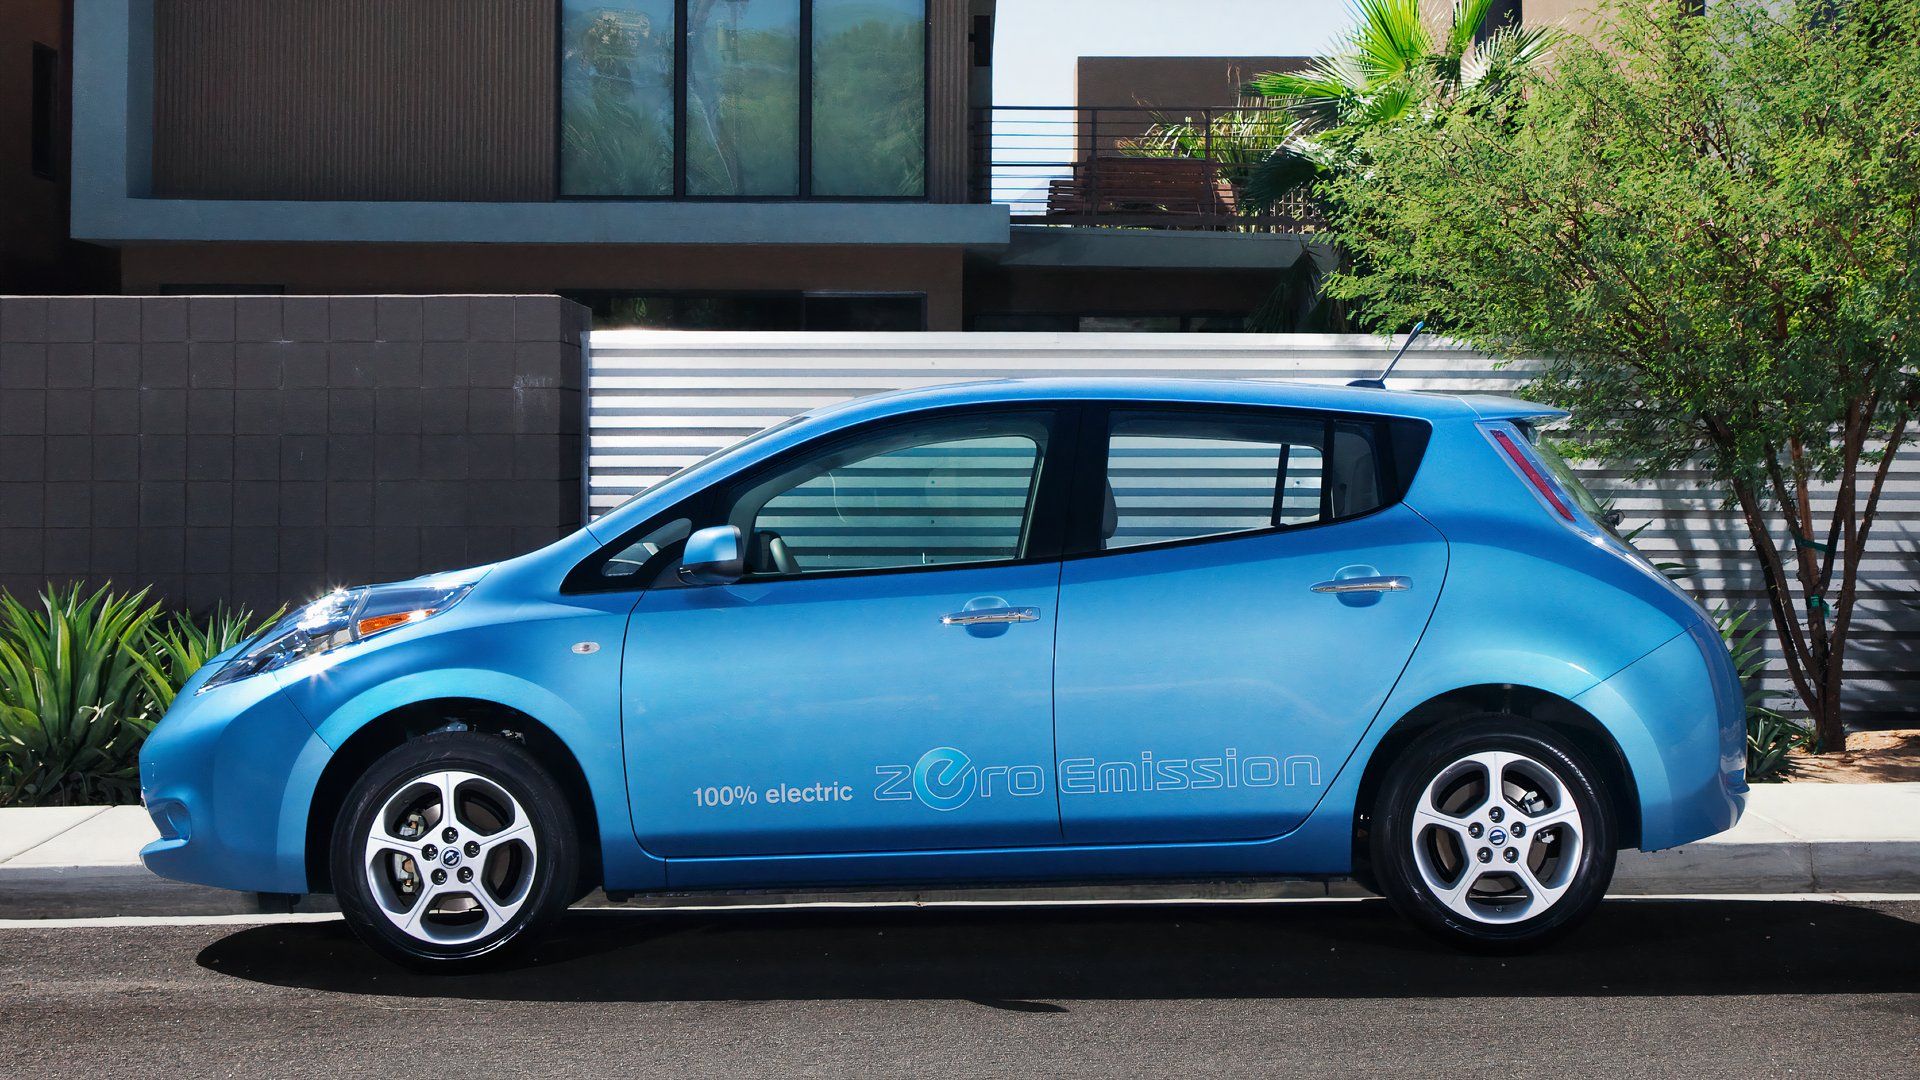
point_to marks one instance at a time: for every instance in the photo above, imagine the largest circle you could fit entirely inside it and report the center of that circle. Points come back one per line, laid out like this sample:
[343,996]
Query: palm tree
[1396,67]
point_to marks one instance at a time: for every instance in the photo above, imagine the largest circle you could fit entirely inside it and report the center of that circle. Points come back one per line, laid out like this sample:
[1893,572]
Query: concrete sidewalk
[82,862]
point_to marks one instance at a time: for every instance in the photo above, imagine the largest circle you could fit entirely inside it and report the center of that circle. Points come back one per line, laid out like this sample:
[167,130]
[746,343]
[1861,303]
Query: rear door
[1252,596]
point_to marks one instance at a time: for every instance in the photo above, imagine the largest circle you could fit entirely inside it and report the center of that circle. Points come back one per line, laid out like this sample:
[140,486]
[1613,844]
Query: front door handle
[991,616]
[1365,585]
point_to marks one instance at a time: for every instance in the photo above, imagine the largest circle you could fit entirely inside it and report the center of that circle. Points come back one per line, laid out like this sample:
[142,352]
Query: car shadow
[1018,958]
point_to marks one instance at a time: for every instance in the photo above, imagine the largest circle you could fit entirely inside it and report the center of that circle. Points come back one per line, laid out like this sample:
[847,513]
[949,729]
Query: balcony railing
[1133,167]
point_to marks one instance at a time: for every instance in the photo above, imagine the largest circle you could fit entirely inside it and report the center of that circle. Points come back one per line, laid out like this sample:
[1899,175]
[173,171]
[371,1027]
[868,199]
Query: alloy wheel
[451,857]
[1497,837]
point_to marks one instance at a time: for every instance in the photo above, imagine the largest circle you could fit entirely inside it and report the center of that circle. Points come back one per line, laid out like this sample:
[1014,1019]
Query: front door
[1212,675]
[882,678]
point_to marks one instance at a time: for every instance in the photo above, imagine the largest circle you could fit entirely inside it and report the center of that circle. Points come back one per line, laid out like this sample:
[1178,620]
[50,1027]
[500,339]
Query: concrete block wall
[258,449]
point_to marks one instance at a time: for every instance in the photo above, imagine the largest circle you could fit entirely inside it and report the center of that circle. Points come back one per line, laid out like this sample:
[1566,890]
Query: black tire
[541,871]
[1495,918]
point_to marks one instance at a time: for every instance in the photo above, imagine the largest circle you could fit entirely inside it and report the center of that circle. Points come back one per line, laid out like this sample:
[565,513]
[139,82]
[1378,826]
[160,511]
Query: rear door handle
[1365,585]
[991,616]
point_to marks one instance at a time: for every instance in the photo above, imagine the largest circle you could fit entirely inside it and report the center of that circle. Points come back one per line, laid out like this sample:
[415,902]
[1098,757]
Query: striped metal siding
[658,401]
[355,99]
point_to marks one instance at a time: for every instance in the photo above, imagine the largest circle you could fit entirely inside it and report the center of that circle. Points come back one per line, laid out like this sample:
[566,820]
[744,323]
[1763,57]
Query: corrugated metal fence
[659,400]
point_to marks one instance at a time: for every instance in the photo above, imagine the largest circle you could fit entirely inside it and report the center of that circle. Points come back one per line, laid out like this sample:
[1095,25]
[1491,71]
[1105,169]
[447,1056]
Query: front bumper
[1679,716]
[228,778]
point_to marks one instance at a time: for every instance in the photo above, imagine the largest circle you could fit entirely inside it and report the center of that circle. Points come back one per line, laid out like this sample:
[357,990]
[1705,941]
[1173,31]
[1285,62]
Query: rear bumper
[1679,716]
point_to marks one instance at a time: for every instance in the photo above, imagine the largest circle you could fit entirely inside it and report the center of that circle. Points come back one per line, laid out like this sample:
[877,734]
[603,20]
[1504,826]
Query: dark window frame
[44,116]
[804,121]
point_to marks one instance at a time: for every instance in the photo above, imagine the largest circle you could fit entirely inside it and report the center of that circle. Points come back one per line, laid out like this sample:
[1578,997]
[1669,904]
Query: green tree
[1396,66]
[1707,225]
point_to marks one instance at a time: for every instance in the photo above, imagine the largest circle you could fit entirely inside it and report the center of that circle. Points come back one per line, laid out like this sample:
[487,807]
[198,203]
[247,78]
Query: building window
[872,312]
[869,97]
[46,100]
[1501,14]
[617,97]
[743,98]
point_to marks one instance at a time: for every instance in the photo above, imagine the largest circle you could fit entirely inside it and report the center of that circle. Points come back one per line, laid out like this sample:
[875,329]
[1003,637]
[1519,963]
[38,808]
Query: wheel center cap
[1498,836]
[450,857]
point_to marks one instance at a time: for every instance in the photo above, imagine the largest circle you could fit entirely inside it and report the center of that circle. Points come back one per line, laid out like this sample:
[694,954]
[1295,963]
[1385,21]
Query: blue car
[1046,630]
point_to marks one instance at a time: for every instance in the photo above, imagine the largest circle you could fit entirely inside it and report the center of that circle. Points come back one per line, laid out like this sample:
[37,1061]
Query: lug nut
[439,877]
[1474,830]
[449,834]
[1511,855]
[466,873]
[1519,828]
[473,849]
[1486,855]
[429,853]
[1496,814]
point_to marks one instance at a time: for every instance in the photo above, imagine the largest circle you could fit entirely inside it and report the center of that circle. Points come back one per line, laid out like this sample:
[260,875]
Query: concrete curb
[82,862]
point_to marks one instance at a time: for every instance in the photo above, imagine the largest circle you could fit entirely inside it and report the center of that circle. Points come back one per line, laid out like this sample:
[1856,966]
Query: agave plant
[74,696]
[1771,737]
[183,645]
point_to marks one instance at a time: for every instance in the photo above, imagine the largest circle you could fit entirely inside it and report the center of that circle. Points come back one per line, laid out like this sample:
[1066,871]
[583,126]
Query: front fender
[494,687]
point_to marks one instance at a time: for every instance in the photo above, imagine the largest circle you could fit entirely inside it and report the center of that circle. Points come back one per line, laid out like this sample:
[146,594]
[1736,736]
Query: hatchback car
[1045,630]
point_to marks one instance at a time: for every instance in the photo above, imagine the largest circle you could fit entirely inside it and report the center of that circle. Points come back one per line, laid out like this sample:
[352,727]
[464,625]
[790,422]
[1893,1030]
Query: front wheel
[1493,834]
[452,849]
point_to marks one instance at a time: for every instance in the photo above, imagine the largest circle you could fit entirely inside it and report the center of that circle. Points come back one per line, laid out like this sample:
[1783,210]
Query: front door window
[945,493]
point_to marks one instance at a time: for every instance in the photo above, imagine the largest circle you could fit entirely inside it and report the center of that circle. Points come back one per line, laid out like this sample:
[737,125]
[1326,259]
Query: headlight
[339,618]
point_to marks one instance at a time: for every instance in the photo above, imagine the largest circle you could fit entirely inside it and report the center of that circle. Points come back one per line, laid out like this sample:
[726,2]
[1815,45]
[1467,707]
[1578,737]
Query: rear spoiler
[1507,408]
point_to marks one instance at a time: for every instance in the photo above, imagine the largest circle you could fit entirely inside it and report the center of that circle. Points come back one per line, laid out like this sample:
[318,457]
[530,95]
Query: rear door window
[1183,475]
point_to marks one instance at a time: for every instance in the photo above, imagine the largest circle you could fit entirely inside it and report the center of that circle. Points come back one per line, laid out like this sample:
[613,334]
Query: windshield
[1569,480]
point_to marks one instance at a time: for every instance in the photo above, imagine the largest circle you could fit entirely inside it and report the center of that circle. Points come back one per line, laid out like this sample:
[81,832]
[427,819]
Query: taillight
[1527,469]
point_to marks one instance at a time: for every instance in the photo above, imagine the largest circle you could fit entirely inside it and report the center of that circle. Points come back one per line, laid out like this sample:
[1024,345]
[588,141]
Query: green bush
[83,679]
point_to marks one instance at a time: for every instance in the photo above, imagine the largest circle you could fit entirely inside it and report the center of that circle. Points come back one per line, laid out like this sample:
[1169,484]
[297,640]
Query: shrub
[83,678]
[1770,736]
[74,699]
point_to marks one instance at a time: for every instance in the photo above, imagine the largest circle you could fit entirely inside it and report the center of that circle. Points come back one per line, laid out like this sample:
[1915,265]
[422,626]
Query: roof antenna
[1381,382]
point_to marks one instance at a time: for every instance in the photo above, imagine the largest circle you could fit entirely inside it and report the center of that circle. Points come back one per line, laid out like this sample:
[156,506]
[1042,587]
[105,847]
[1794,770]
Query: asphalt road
[1649,988]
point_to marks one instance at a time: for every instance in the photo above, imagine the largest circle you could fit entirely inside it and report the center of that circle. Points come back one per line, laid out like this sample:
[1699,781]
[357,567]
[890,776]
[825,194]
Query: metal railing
[1133,166]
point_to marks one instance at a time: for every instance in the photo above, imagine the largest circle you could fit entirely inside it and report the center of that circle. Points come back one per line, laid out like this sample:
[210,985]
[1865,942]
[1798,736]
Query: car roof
[1276,393]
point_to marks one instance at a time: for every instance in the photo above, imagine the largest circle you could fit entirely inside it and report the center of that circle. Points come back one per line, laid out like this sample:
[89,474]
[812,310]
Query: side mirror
[715,556]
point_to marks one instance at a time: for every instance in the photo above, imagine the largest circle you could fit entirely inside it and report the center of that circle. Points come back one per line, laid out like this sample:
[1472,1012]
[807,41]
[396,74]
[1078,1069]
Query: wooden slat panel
[661,400]
[949,66]
[355,99]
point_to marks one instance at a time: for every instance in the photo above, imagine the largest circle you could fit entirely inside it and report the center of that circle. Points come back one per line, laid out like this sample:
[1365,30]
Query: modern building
[36,255]
[727,164]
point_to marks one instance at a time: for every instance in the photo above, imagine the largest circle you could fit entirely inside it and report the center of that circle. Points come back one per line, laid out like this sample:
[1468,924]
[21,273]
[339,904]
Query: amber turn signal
[369,627]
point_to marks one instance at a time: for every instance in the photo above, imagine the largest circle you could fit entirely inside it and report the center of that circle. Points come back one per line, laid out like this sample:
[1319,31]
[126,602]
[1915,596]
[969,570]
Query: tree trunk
[1829,730]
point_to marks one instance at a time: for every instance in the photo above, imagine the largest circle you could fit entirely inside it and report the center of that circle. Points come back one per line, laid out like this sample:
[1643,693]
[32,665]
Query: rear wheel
[1493,834]
[452,850]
